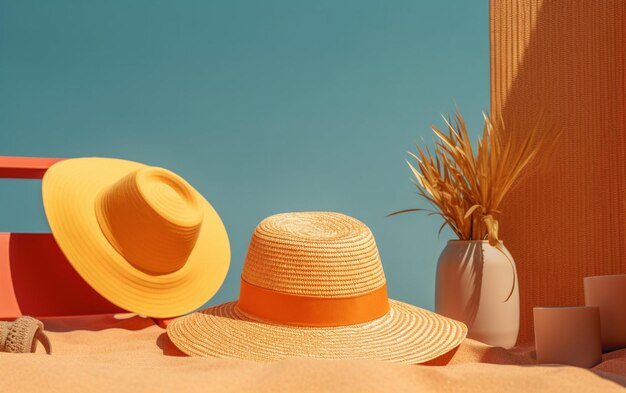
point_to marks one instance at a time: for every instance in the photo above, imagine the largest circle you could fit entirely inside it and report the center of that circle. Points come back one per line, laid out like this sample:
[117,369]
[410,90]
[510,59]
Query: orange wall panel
[567,218]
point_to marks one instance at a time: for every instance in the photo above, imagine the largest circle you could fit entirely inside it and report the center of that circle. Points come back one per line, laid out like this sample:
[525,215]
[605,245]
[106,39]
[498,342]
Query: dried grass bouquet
[466,189]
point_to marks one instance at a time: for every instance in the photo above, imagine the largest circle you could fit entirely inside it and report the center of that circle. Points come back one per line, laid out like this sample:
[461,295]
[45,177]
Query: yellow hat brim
[69,192]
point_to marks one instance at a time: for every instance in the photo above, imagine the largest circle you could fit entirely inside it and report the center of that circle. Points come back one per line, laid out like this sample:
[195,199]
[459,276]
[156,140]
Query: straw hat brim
[407,334]
[70,188]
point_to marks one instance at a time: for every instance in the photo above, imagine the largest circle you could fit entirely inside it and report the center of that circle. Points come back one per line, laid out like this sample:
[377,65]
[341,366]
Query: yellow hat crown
[152,218]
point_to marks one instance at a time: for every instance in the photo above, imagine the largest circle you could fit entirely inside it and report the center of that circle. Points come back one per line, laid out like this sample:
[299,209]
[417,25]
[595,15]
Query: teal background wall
[264,107]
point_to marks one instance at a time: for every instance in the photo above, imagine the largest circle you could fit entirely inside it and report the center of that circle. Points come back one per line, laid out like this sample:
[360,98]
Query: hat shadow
[97,323]
[168,347]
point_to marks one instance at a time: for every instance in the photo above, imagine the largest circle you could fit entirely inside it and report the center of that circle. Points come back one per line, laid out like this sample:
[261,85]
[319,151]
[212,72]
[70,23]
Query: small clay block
[609,294]
[568,335]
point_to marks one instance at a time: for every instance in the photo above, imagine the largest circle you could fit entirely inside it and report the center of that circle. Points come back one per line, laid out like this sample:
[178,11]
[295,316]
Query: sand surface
[132,354]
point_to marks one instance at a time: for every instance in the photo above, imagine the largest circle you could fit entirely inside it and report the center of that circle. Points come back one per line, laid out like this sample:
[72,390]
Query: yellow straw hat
[313,285]
[141,236]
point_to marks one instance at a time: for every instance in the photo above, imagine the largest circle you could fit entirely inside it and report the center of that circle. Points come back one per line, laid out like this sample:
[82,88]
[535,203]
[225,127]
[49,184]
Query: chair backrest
[35,277]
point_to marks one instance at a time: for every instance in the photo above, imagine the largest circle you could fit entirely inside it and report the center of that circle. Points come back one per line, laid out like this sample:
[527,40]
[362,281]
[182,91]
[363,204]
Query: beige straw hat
[313,285]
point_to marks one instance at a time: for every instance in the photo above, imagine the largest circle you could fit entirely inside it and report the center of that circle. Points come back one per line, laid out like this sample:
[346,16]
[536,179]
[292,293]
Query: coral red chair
[35,277]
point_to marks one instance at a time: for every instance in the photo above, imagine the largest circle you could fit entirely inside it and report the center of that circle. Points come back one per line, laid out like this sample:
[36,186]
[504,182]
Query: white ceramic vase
[477,284]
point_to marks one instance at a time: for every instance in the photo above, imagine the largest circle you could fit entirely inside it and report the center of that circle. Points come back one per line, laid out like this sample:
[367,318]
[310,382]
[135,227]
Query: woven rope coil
[314,254]
[22,335]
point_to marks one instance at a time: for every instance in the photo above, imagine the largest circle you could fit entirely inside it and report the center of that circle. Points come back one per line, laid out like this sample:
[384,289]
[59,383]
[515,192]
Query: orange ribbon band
[297,310]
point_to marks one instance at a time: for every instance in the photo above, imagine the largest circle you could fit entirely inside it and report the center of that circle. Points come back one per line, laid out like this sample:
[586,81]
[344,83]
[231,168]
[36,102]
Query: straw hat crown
[152,218]
[318,254]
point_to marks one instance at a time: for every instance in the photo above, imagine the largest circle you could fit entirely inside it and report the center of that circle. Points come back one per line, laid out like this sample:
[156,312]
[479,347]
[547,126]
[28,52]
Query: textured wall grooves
[567,219]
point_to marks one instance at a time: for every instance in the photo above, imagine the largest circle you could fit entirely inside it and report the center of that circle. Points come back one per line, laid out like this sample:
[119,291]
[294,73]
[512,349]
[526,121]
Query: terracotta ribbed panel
[567,219]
